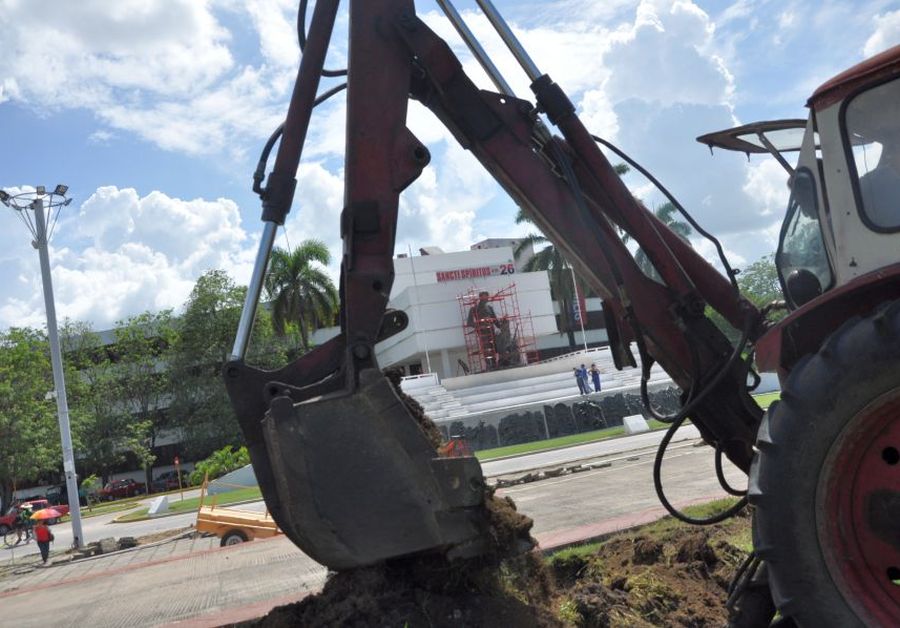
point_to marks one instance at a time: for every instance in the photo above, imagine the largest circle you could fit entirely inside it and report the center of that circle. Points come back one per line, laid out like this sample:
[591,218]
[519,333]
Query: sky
[153,112]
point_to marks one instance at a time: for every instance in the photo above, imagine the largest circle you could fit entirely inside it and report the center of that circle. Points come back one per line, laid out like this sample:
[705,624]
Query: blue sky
[154,111]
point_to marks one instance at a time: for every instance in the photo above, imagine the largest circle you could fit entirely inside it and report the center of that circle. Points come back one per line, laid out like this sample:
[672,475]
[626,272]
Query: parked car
[118,489]
[168,481]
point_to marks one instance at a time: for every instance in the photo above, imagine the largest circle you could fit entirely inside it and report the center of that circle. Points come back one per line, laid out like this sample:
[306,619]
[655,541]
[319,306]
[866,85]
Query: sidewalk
[159,590]
[194,583]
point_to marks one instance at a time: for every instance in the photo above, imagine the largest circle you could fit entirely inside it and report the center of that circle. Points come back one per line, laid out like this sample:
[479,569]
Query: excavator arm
[343,465]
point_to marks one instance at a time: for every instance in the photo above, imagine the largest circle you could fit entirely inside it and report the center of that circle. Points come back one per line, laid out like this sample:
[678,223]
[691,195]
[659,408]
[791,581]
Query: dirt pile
[675,577]
[507,585]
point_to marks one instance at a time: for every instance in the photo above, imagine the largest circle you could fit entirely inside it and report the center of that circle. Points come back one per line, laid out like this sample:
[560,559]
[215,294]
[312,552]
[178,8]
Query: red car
[118,489]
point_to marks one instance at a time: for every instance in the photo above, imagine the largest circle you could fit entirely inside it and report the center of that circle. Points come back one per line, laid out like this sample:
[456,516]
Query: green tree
[302,295]
[668,215]
[759,281]
[551,259]
[100,429]
[219,463]
[200,405]
[144,346]
[29,433]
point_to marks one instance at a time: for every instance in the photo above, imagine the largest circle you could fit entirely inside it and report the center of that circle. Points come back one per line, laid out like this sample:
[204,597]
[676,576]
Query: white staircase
[541,383]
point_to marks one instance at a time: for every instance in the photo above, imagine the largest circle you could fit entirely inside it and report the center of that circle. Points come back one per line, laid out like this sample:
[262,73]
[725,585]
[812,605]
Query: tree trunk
[6,492]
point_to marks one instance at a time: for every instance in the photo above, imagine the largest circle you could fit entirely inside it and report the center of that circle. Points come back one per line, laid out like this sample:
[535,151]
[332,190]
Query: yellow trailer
[233,525]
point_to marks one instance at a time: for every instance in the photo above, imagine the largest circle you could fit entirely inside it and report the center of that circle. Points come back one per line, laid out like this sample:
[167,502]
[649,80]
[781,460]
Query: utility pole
[22,203]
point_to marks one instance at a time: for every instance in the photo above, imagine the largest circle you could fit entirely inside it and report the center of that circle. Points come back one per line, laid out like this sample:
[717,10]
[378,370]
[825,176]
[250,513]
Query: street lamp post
[35,201]
[581,314]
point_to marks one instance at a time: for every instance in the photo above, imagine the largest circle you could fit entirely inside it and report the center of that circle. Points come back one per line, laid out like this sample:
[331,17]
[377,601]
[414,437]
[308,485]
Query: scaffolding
[497,335]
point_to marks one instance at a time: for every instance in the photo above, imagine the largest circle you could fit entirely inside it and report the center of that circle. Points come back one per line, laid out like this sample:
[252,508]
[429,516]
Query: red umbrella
[47,513]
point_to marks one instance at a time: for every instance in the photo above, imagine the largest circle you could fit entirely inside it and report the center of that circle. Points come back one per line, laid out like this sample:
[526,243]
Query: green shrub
[219,463]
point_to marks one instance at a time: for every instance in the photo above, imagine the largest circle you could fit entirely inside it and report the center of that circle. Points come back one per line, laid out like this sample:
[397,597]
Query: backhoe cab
[844,211]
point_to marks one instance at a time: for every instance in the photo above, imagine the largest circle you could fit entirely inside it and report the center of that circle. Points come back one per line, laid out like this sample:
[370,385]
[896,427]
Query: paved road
[220,586]
[625,488]
[96,528]
[100,527]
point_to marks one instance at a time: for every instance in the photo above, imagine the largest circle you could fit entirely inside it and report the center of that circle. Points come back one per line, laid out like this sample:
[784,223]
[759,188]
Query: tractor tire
[825,483]
[233,537]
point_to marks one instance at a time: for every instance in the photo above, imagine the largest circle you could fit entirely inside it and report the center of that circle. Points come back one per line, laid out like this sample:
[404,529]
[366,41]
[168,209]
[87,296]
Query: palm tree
[550,259]
[668,215]
[302,296]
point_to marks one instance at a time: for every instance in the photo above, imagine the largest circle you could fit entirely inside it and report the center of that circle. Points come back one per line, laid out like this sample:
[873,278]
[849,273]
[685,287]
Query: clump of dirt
[675,578]
[394,376]
[159,536]
[506,585]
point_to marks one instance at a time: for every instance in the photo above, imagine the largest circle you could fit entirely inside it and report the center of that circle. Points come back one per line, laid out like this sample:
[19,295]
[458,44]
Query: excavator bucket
[352,478]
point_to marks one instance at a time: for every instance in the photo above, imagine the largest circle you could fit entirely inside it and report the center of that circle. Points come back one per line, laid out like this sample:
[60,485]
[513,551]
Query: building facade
[430,288]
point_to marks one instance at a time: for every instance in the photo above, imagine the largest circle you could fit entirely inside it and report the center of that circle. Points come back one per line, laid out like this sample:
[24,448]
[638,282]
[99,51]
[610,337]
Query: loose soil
[662,574]
[159,536]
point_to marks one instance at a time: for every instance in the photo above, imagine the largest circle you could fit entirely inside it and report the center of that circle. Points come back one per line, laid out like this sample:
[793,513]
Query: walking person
[44,537]
[595,376]
[580,381]
[23,521]
[583,374]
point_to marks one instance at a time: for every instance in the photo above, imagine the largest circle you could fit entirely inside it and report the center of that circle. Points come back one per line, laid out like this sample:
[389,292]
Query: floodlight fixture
[40,212]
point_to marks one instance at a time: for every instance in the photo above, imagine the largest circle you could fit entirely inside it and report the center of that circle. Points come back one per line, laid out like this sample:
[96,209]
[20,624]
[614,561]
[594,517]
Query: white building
[428,286]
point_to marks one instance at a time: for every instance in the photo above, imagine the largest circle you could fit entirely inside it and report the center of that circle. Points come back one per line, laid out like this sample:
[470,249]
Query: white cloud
[100,136]
[708,251]
[124,253]
[665,56]
[441,207]
[163,70]
[886,34]
[766,183]
[63,53]
[316,212]
[275,21]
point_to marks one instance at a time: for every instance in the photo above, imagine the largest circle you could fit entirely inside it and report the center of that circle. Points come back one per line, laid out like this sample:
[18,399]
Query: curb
[175,514]
[563,447]
[588,463]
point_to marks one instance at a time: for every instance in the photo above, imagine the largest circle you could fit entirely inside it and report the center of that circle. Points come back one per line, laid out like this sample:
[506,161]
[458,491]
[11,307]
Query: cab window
[801,260]
[871,125]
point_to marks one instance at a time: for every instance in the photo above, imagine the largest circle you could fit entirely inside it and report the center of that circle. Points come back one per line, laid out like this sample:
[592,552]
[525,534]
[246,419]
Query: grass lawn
[767,398]
[556,443]
[222,499]
[103,509]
